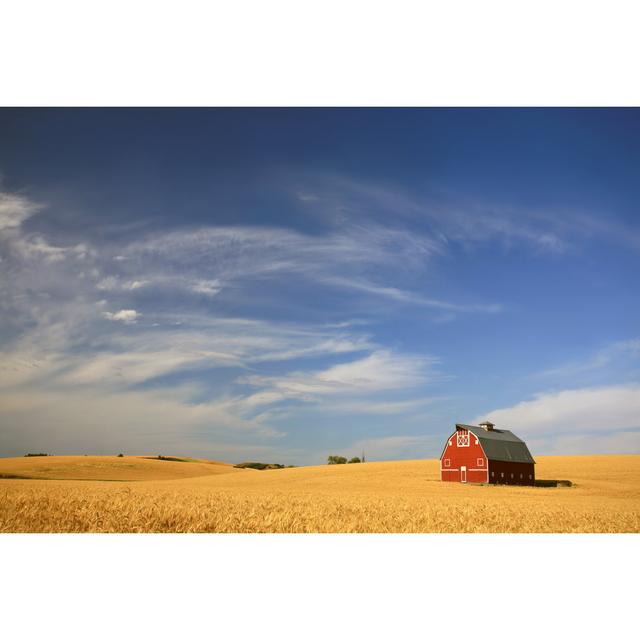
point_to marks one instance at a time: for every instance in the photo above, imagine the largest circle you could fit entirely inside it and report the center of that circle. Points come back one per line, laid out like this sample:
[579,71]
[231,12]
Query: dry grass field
[139,495]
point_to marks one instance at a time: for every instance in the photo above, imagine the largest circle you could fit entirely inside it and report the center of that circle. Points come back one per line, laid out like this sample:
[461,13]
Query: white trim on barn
[462,438]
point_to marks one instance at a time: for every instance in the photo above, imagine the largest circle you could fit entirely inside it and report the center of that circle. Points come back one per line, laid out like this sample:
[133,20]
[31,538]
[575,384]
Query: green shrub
[355,460]
[336,460]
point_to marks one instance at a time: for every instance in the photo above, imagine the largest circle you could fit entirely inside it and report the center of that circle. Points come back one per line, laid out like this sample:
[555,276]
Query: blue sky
[285,284]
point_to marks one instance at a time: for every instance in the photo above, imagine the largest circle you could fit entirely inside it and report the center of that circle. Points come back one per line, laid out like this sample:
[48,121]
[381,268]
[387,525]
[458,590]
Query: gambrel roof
[500,444]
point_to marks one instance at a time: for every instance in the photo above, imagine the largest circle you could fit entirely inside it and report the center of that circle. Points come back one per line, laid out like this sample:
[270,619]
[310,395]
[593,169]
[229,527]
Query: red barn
[488,455]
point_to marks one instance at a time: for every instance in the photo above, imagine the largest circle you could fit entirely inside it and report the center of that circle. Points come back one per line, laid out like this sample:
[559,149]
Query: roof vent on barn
[487,426]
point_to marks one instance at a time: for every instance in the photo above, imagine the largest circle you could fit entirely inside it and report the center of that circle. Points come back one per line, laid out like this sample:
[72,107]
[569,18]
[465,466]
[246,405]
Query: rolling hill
[109,468]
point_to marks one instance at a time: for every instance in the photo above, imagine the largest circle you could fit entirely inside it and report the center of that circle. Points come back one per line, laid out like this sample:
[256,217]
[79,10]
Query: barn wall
[471,457]
[510,472]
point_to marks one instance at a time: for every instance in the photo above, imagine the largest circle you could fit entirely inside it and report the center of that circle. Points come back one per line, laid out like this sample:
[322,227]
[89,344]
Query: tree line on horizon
[343,460]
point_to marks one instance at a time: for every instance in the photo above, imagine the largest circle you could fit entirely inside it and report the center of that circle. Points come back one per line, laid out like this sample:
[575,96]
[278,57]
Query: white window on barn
[493,474]
[463,438]
[480,461]
[447,462]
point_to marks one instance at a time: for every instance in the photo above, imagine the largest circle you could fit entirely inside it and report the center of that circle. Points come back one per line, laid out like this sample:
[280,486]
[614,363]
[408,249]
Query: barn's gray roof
[499,444]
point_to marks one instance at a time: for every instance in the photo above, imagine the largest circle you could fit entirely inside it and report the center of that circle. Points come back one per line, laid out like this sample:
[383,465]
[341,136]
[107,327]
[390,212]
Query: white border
[355,53]
[292,586]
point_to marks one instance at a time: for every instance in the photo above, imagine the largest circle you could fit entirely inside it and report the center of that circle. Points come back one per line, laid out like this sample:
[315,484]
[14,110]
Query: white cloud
[127,316]
[381,371]
[611,408]
[37,247]
[112,283]
[15,209]
[207,287]
[135,284]
[619,442]
[307,197]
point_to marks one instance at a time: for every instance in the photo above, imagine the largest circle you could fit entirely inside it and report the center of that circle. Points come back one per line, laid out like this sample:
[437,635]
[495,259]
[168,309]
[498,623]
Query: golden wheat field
[135,494]
[107,468]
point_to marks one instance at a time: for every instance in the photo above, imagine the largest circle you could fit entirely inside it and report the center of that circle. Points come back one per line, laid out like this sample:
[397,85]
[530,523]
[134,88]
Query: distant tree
[121,455]
[35,455]
[260,466]
[336,460]
[355,461]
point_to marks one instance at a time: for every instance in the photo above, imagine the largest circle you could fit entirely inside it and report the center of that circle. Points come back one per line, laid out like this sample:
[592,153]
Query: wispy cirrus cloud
[66,351]
[602,358]
[207,287]
[411,297]
[451,218]
[205,262]
[217,257]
